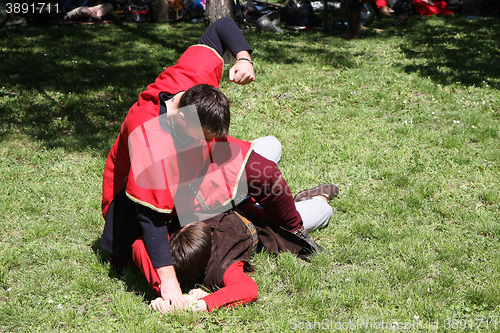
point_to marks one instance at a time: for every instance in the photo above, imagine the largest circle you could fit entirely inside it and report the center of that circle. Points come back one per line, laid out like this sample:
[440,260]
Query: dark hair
[212,107]
[191,248]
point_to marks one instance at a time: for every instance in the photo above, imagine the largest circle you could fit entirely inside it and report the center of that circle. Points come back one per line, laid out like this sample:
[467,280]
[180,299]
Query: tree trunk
[217,9]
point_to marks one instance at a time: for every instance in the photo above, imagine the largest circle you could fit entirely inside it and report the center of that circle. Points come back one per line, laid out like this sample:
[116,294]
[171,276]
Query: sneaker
[305,235]
[329,191]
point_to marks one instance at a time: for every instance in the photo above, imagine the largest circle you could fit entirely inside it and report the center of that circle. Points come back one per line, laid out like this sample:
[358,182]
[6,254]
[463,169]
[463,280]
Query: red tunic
[438,7]
[149,163]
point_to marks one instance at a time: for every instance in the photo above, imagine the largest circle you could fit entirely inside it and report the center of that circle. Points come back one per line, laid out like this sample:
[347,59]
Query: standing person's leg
[354,20]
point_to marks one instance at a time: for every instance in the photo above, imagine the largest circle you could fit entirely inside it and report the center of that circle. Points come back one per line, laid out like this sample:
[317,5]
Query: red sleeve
[238,288]
[142,260]
[199,64]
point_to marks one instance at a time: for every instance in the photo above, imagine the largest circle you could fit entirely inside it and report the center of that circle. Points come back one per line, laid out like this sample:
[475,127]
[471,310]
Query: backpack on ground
[138,12]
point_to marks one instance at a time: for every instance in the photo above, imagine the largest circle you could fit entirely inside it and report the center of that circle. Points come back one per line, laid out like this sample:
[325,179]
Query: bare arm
[170,290]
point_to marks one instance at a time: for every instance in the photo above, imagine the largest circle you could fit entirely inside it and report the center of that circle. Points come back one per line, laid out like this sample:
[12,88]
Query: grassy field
[406,121]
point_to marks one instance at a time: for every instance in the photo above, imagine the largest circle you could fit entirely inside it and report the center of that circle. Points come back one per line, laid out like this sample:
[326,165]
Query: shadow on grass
[299,47]
[455,49]
[74,59]
[71,87]
[130,274]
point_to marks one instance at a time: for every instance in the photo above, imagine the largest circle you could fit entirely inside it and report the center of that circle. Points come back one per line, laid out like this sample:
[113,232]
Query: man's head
[191,248]
[212,109]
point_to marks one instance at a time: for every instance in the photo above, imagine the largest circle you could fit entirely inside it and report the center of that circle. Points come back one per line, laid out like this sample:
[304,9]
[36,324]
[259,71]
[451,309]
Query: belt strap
[251,228]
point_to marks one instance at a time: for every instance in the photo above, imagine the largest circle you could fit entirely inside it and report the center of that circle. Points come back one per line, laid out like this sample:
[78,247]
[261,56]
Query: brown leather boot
[354,28]
[305,235]
[328,191]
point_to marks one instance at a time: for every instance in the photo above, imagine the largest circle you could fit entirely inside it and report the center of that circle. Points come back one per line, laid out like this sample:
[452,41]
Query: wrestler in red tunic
[150,165]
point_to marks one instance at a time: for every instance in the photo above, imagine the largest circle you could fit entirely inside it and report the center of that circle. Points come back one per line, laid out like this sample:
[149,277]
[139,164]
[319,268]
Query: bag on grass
[403,7]
[138,12]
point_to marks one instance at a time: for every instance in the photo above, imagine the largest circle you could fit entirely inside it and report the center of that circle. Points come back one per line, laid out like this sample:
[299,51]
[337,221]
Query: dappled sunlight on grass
[406,121]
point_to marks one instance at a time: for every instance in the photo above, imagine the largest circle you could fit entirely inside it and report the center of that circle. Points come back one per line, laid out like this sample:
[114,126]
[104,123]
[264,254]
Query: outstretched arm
[224,34]
[160,279]
[238,288]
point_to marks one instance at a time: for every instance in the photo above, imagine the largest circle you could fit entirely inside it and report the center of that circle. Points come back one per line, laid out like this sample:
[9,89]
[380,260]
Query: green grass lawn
[406,121]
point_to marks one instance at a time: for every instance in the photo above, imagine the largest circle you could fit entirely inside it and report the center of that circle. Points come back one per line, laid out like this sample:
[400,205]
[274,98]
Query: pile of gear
[296,14]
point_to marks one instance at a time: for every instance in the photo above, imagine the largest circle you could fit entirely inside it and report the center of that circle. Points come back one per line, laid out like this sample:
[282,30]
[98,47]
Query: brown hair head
[212,108]
[191,248]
